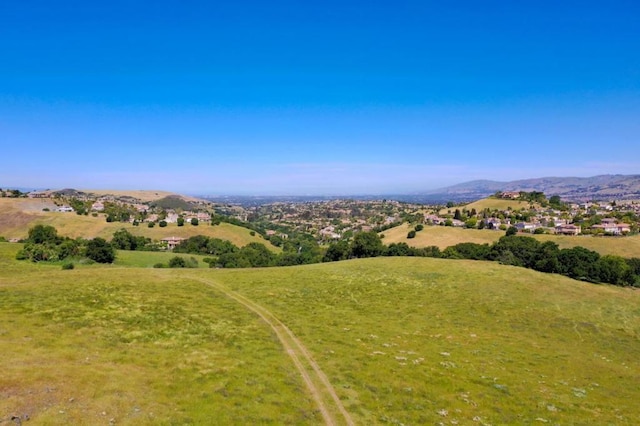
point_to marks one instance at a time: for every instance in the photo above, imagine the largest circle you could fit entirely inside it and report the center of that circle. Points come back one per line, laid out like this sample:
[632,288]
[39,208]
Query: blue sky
[333,97]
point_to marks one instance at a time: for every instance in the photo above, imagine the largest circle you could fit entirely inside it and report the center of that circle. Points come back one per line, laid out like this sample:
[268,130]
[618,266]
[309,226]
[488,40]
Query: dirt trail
[317,382]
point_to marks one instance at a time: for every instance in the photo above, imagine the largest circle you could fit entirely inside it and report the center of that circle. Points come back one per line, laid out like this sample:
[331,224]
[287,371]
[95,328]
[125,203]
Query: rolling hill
[17,215]
[603,187]
[398,340]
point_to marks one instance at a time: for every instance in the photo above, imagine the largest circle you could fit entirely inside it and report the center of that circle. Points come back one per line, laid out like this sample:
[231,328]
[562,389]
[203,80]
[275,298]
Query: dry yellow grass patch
[445,236]
[492,204]
[440,236]
[18,215]
[142,194]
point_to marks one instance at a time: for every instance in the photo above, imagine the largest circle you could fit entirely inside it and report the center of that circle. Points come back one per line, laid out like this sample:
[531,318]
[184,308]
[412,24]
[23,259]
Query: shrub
[411,234]
[68,266]
[177,262]
[195,222]
[159,265]
[419,227]
[163,223]
[151,224]
[100,251]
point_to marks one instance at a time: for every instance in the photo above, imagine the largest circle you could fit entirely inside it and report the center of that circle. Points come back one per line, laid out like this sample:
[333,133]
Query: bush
[411,234]
[159,265]
[100,251]
[177,262]
[163,223]
[195,222]
[419,227]
[67,266]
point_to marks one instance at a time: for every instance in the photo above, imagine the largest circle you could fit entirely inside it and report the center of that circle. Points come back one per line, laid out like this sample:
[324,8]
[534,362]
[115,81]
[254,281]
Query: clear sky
[332,97]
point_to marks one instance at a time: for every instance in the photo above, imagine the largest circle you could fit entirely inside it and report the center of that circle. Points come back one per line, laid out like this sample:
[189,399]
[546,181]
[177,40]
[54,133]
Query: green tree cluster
[43,244]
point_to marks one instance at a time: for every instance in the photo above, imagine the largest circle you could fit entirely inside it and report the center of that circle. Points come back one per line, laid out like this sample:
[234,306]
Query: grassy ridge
[445,236]
[403,340]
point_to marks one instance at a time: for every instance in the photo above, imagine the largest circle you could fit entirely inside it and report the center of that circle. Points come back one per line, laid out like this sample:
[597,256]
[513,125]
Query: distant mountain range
[603,187]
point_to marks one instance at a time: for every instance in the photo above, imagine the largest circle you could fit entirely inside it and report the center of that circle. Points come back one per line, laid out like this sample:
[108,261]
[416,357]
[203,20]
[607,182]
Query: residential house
[172,242]
[568,229]
[98,206]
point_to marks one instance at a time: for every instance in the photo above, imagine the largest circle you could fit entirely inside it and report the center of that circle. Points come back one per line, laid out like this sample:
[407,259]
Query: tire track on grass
[311,374]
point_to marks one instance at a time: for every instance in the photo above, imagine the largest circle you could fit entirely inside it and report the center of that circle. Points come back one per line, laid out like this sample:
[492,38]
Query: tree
[162,223]
[471,223]
[512,230]
[419,227]
[99,250]
[411,234]
[337,251]
[180,221]
[615,270]
[123,240]
[194,221]
[367,244]
[579,263]
[41,234]
[468,251]
[399,249]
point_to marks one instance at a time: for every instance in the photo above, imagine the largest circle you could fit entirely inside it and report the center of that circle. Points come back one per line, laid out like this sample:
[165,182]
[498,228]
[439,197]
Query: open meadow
[18,215]
[446,236]
[399,341]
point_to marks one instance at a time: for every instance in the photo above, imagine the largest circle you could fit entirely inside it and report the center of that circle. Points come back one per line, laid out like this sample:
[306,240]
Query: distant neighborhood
[341,219]
[544,216]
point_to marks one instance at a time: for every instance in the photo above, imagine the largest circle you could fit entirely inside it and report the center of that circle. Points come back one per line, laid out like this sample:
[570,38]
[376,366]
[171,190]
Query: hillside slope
[17,215]
[445,236]
[402,340]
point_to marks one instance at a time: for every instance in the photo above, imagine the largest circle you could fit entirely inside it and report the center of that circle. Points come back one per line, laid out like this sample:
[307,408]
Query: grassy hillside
[402,340]
[492,204]
[445,236]
[18,215]
[142,195]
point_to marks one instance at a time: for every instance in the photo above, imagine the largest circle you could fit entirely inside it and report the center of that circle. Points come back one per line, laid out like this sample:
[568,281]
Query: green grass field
[445,236]
[402,340]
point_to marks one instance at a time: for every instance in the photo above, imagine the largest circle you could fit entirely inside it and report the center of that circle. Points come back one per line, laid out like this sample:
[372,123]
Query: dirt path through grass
[317,382]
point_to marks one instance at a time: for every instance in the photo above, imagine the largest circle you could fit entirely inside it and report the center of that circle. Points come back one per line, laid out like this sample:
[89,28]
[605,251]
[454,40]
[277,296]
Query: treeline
[577,262]
[44,244]
[224,254]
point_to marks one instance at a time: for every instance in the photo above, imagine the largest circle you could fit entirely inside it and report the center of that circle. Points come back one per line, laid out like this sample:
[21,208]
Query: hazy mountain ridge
[602,187]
